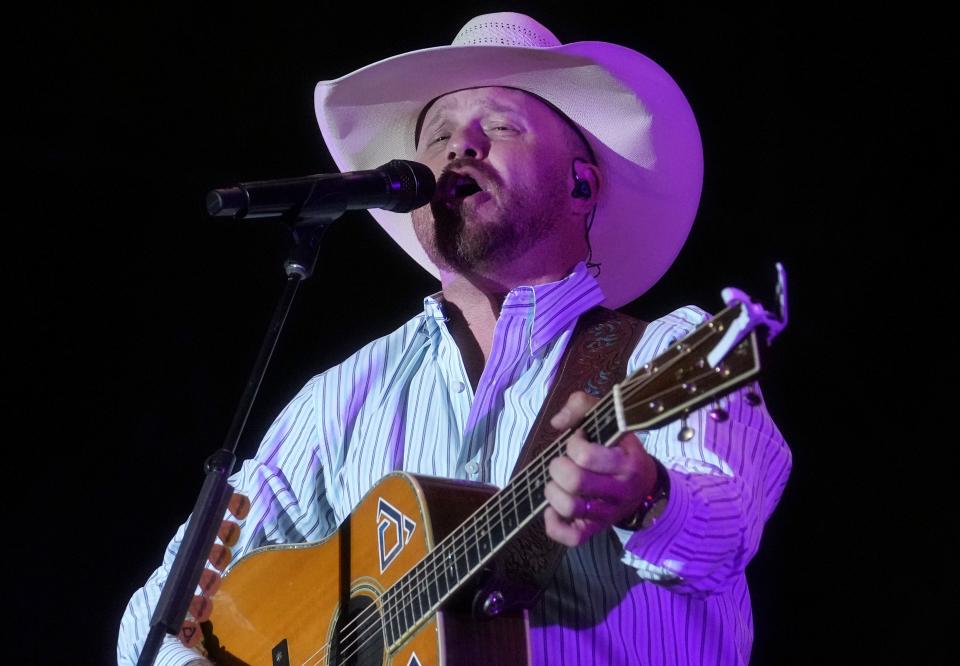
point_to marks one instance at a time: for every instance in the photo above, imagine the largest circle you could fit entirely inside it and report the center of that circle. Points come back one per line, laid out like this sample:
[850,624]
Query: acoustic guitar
[398,582]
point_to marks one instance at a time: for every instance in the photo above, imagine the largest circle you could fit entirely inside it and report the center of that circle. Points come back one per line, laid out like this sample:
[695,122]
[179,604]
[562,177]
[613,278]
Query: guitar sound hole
[360,636]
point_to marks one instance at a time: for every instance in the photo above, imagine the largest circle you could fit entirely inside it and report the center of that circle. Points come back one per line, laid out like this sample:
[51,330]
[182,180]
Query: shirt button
[459,387]
[472,468]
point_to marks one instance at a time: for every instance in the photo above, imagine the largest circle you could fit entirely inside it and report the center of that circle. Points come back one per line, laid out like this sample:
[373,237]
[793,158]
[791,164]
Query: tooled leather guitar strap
[594,360]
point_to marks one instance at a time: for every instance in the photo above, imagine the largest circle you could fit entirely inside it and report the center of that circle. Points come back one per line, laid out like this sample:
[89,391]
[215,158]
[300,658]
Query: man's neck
[472,306]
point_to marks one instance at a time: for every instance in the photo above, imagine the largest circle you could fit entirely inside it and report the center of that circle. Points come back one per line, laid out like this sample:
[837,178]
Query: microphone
[398,185]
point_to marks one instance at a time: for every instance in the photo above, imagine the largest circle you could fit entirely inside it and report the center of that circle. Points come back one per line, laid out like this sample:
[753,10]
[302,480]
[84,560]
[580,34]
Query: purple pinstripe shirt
[674,593]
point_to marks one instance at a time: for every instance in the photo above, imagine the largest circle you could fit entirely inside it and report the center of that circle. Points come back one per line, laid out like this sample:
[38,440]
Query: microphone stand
[215,494]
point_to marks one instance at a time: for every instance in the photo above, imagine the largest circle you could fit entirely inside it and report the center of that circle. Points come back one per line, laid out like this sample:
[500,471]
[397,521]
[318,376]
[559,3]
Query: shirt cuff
[647,548]
[174,653]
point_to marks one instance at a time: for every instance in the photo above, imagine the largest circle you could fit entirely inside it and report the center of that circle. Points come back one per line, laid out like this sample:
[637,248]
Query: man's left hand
[593,487]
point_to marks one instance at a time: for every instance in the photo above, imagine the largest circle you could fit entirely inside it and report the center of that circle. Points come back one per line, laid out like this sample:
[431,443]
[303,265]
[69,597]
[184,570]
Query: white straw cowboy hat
[639,124]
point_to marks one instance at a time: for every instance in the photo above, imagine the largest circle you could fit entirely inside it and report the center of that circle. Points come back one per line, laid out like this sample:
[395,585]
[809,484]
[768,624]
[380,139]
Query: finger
[578,404]
[189,633]
[571,508]
[200,608]
[598,511]
[229,533]
[564,503]
[239,505]
[209,582]
[578,481]
[595,457]
[563,532]
[219,556]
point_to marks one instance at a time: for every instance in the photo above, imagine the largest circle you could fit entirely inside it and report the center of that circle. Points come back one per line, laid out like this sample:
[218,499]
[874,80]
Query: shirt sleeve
[724,482]
[284,482]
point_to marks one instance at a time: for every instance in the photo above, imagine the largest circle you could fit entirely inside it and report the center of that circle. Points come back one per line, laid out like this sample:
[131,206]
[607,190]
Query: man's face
[502,160]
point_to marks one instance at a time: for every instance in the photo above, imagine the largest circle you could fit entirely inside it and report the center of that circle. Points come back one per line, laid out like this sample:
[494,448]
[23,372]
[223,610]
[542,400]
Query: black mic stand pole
[208,512]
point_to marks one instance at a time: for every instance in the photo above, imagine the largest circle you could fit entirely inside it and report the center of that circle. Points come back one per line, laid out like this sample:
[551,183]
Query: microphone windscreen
[414,183]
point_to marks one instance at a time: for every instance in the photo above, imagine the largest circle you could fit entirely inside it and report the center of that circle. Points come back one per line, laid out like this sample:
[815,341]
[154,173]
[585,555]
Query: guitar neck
[671,385]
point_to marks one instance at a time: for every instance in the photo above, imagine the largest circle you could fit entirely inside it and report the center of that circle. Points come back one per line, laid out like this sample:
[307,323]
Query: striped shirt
[673,593]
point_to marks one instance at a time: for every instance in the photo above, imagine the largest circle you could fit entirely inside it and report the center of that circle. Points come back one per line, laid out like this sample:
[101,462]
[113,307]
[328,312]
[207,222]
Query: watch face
[655,511]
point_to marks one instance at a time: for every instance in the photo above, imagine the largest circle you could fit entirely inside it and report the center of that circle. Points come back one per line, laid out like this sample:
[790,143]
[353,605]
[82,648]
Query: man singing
[568,176]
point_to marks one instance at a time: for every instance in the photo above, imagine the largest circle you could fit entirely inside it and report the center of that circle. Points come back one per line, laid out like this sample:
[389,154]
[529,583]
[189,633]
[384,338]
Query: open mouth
[458,186]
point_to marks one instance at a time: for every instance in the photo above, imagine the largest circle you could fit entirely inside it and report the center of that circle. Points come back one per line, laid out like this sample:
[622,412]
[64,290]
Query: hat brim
[637,120]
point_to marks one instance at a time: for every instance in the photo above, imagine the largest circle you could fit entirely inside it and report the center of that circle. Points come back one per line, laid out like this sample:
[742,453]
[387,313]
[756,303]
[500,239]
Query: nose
[467,141]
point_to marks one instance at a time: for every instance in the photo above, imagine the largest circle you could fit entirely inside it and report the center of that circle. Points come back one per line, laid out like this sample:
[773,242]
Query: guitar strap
[595,359]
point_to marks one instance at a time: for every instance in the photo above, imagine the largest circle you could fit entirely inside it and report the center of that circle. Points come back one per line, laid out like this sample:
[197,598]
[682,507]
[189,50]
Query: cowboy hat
[636,119]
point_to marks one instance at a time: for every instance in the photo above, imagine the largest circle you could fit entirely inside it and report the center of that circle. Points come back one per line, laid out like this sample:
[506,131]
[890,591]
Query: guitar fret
[538,485]
[489,544]
[409,611]
[485,544]
[495,533]
[424,592]
[461,561]
[450,564]
[430,580]
[387,608]
[509,513]
[441,579]
[473,549]
[523,502]
[385,604]
[406,610]
[396,609]
[453,562]
[395,625]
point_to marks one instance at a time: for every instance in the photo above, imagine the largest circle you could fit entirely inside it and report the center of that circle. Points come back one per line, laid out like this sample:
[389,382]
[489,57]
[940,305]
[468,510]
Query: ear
[585,172]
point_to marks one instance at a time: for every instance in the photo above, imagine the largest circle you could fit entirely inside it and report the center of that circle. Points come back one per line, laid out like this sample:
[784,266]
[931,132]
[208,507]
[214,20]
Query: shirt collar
[548,308]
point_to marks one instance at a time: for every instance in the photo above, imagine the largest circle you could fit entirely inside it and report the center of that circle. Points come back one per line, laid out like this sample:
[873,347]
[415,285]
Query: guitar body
[286,604]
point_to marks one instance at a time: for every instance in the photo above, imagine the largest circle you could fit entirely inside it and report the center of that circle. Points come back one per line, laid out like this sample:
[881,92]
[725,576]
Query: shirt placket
[511,342]
[454,376]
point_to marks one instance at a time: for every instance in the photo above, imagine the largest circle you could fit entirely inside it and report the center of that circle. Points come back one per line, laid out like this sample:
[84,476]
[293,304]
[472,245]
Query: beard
[462,236]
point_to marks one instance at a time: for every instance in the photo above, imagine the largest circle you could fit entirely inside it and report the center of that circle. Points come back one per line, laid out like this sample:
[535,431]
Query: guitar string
[377,625]
[540,479]
[414,588]
[520,491]
[431,578]
[427,573]
[398,606]
[425,577]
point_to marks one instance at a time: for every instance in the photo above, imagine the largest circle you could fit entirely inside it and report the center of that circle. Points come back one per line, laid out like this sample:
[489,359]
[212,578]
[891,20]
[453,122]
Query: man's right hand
[220,556]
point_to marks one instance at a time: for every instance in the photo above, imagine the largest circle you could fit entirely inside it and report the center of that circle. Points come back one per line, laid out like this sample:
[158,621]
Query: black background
[132,319]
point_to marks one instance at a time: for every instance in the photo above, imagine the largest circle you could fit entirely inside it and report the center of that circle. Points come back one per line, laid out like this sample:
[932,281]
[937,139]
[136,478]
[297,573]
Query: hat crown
[505,29]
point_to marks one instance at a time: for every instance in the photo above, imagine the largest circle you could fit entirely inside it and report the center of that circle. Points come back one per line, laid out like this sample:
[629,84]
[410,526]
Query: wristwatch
[653,503]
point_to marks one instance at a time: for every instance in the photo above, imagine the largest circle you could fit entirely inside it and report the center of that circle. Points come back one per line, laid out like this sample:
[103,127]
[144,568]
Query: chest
[429,419]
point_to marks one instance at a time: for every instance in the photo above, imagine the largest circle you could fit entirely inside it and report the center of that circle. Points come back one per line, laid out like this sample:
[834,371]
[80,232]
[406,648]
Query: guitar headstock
[714,359]
[683,378]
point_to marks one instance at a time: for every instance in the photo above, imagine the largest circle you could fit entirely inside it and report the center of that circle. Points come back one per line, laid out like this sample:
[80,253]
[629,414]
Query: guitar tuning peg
[686,432]
[719,414]
[753,397]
